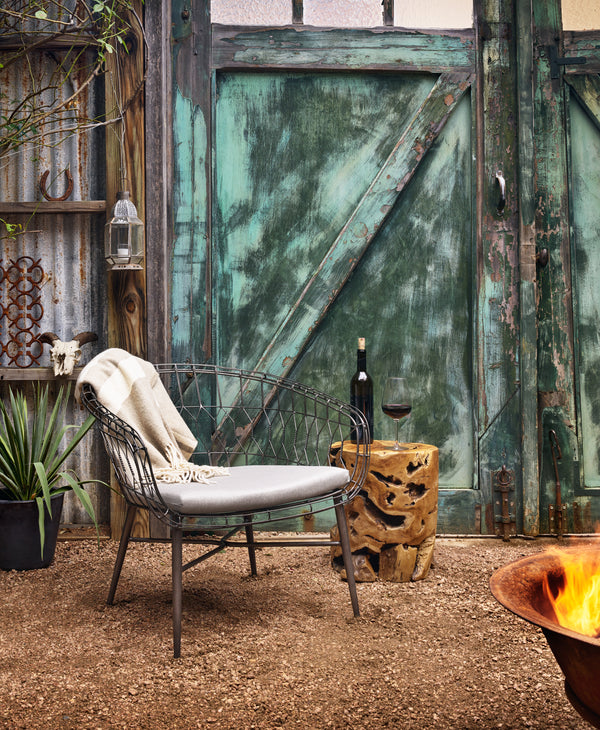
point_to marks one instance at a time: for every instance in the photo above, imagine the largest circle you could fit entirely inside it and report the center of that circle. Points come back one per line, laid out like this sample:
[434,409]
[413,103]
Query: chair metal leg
[251,549]
[340,515]
[123,545]
[177,578]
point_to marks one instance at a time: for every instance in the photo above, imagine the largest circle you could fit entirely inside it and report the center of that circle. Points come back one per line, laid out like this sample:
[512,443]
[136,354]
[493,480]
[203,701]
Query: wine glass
[396,403]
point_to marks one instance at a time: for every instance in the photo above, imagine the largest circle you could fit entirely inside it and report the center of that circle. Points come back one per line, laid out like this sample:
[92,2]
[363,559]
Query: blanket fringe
[180,470]
[188,472]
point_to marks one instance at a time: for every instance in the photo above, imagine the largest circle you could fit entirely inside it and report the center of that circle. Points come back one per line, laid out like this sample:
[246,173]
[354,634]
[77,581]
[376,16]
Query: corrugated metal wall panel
[68,246]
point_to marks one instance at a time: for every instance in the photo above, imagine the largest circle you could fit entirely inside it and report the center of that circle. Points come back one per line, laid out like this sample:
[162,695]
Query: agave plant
[32,455]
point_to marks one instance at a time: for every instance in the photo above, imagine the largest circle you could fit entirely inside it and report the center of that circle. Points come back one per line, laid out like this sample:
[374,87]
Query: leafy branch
[89,34]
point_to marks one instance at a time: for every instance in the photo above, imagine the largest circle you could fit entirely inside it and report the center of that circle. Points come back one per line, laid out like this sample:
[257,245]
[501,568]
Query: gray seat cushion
[253,488]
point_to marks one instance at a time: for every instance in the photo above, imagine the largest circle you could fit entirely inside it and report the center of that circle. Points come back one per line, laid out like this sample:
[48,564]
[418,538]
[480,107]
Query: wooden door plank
[190,261]
[344,254]
[556,362]
[343,49]
[528,271]
[159,156]
[578,44]
[498,308]
[584,180]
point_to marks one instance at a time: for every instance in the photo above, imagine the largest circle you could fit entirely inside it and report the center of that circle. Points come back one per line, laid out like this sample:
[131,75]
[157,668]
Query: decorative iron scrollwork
[20,311]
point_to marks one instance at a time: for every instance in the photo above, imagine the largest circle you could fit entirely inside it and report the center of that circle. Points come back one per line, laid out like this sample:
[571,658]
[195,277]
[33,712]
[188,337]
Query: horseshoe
[67,192]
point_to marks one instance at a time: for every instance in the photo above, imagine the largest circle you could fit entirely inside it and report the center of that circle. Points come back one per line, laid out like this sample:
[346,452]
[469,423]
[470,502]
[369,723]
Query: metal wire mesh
[240,418]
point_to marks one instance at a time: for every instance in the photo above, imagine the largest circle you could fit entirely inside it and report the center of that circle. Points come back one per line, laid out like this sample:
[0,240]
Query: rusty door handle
[502,183]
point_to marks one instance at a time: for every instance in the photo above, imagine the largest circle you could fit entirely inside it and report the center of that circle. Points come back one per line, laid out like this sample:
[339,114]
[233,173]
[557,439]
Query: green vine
[12,229]
[44,116]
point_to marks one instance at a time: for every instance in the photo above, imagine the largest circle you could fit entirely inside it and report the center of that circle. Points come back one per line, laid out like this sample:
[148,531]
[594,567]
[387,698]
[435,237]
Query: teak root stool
[393,519]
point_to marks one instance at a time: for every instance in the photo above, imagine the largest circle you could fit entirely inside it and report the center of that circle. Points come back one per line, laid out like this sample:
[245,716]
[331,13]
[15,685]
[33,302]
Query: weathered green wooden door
[314,244]
[567,153]
[578,436]
[325,189]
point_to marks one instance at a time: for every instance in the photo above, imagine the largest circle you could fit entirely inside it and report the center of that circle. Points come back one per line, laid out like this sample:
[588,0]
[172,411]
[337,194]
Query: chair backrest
[239,418]
[127,452]
[242,417]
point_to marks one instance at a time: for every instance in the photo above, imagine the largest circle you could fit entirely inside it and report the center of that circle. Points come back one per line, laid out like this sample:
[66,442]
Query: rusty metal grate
[20,311]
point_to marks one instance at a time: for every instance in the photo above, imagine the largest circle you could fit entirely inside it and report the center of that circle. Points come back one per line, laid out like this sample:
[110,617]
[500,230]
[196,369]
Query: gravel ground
[278,651]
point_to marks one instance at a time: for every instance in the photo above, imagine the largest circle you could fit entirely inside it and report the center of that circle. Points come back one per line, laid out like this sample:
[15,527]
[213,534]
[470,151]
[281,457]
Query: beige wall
[577,14]
[581,14]
[346,13]
[433,13]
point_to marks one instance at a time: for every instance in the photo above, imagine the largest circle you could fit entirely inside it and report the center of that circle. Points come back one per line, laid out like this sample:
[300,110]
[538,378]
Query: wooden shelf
[24,375]
[18,41]
[44,207]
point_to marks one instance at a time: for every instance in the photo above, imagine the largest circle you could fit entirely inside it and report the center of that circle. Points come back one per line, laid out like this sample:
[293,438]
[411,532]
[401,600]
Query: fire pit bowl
[518,586]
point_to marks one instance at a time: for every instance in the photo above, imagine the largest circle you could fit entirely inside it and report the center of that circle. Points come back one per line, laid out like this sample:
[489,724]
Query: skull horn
[48,338]
[84,337]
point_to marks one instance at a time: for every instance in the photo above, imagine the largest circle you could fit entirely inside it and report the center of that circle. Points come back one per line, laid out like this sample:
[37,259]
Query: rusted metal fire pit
[518,586]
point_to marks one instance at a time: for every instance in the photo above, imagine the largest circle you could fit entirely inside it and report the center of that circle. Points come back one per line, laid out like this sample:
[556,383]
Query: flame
[577,602]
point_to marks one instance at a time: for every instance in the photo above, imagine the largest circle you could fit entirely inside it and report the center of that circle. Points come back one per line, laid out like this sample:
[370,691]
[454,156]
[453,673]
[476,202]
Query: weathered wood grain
[43,207]
[556,362]
[359,230]
[127,290]
[587,91]
[392,522]
[159,190]
[191,296]
[527,268]
[584,148]
[499,430]
[582,44]
[379,49]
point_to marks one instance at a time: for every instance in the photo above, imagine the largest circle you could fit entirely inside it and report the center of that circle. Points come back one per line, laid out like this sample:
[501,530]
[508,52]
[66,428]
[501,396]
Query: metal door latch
[504,482]
[557,512]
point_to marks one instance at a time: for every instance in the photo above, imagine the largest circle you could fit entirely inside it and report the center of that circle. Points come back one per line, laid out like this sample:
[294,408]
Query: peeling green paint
[343,48]
[190,230]
[585,146]
[296,146]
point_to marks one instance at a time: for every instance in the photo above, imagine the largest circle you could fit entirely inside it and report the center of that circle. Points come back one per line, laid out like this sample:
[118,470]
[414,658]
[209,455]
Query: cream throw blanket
[131,388]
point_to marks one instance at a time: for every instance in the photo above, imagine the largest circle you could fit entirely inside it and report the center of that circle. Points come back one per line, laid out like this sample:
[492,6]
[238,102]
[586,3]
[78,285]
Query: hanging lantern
[124,236]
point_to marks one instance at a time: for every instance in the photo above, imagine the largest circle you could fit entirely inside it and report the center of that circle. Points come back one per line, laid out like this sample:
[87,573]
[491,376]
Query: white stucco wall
[581,14]
[577,14]
[346,13]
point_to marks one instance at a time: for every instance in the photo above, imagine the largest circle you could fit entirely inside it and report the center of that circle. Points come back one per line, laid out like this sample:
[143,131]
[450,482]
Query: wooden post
[556,353]
[159,173]
[124,92]
[528,270]
[498,378]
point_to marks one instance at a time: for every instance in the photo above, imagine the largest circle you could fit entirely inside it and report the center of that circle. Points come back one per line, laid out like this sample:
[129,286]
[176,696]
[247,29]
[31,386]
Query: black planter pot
[20,534]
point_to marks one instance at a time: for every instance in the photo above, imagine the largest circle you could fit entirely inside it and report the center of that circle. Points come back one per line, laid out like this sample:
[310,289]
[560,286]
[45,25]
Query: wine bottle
[361,393]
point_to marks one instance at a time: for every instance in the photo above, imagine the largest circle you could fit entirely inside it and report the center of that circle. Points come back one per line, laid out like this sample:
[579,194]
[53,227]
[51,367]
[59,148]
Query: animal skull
[65,355]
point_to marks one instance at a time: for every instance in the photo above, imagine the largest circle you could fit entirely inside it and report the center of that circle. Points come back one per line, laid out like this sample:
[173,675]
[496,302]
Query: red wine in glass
[396,403]
[396,411]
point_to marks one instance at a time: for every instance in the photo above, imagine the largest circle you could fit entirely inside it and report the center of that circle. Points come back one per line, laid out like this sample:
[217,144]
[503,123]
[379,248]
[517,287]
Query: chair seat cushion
[250,488]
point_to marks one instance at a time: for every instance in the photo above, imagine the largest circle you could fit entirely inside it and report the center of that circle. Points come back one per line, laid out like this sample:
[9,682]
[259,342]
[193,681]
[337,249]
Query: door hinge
[504,483]
[557,61]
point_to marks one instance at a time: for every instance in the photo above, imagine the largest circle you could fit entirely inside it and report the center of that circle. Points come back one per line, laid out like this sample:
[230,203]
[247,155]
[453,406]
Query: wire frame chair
[239,418]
